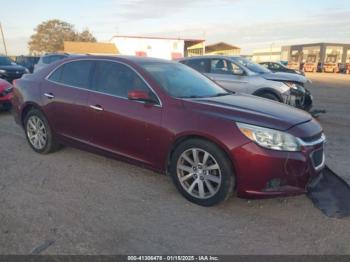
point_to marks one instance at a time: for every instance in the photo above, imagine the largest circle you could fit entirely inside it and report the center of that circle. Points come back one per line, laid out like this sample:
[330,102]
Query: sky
[249,24]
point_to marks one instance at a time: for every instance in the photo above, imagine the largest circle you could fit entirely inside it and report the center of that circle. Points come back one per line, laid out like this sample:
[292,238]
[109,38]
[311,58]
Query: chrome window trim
[160,104]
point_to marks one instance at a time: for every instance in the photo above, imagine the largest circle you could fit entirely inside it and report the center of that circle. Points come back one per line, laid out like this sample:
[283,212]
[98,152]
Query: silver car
[239,74]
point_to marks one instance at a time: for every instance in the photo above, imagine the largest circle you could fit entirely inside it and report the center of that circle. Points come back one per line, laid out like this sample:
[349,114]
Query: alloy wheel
[199,173]
[36,132]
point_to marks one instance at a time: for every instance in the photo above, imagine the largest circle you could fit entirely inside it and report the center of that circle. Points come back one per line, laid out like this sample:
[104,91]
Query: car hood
[280,76]
[250,109]
[12,67]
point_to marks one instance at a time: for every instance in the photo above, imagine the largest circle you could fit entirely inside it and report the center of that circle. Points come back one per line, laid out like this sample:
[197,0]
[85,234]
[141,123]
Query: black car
[279,67]
[10,70]
[27,61]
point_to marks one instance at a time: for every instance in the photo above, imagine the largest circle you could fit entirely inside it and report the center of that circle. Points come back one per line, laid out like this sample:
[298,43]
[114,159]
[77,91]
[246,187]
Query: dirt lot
[73,202]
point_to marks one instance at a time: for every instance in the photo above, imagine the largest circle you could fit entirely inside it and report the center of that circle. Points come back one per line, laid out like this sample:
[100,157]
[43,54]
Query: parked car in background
[48,59]
[5,95]
[279,67]
[238,74]
[166,116]
[27,61]
[9,70]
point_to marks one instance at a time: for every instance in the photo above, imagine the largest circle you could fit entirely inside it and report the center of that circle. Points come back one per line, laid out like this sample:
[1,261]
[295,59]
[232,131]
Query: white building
[267,54]
[165,48]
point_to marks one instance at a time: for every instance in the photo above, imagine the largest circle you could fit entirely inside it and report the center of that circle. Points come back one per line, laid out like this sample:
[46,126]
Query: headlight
[291,85]
[270,138]
[2,71]
[26,71]
[283,88]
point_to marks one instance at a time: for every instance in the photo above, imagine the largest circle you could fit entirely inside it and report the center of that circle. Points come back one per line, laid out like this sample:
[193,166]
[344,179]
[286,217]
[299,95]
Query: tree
[85,36]
[50,35]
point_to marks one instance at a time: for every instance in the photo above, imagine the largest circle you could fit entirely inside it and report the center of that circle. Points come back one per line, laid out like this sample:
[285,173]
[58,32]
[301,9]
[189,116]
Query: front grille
[312,138]
[317,158]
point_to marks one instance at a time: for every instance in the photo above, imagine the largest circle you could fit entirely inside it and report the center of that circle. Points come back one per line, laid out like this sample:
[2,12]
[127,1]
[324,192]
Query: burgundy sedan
[5,95]
[167,117]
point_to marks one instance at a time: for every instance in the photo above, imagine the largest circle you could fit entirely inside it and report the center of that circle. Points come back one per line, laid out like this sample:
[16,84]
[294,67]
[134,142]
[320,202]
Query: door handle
[96,107]
[49,95]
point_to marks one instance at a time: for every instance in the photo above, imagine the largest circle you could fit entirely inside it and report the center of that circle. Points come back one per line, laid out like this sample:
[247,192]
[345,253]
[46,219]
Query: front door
[119,125]
[228,75]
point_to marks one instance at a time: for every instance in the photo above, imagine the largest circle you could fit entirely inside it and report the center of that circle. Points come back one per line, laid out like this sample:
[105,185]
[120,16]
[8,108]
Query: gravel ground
[74,202]
[332,92]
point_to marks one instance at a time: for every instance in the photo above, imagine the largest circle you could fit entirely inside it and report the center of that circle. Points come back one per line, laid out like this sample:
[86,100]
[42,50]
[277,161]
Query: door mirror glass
[139,95]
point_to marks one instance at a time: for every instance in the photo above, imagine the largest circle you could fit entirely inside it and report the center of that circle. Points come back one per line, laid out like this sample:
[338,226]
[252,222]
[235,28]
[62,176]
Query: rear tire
[202,172]
[38,133]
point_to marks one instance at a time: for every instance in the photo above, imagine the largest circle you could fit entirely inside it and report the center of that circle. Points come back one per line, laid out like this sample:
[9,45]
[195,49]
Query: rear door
[229,75]
[65,95]
[119,125]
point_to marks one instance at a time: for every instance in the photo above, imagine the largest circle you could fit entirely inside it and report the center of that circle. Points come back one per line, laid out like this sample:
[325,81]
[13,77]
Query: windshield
[179,80]
[256,68]
[5,61]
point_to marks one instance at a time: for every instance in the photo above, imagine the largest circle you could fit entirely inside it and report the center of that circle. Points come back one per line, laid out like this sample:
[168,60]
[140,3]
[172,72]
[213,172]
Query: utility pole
[3,39]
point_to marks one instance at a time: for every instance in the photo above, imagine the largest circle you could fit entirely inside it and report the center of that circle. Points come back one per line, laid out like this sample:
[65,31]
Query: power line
[3,39]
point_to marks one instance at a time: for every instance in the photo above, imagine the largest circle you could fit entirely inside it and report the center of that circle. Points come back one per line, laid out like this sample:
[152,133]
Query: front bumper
[263,173]
[301,99]
[5,101]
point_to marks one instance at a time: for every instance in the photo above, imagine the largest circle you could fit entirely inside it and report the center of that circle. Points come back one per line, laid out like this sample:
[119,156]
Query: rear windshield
[52,58]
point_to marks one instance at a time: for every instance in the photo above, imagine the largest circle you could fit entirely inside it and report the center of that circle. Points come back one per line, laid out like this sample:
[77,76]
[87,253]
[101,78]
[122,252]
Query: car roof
[208,56]
[133,59]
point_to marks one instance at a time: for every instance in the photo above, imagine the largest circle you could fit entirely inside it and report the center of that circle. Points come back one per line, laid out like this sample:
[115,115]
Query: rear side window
[201,65]
[116,79]
[75,74]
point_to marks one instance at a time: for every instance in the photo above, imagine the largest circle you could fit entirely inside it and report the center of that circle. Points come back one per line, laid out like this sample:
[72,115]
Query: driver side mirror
[140,95]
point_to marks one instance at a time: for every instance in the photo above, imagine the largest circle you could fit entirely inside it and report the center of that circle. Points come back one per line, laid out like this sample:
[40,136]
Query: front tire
[202,172]
[38,133]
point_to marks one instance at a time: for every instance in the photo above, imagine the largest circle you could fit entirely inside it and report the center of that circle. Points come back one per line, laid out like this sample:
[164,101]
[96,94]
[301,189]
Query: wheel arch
[26,108]
[269,90]
[182,138]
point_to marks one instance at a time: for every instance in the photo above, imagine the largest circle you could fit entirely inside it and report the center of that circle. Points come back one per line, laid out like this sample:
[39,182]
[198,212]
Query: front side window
[222,66]
[75,74]
[219,66]
[201,65]
[182,81]
[275,66]
[116,79]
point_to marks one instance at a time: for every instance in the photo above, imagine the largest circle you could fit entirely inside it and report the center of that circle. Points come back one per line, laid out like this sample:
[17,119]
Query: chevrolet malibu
[167,117]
